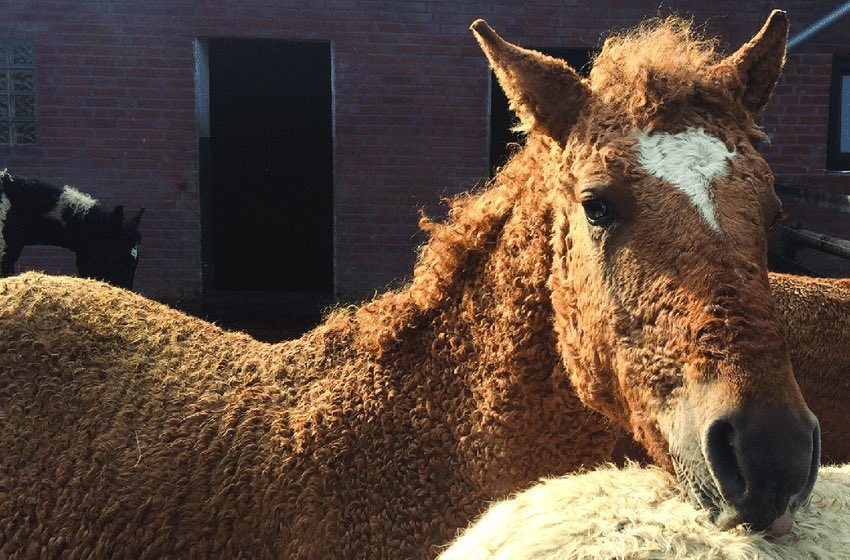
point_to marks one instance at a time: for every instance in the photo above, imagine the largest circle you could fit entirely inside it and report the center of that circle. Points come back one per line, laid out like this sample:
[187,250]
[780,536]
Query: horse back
[116,395]
[92,324]
[30,196]
[816,312]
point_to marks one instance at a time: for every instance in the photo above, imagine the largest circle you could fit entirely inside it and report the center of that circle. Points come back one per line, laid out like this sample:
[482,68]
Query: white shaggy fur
[638,512]
[689,161]
[79,203]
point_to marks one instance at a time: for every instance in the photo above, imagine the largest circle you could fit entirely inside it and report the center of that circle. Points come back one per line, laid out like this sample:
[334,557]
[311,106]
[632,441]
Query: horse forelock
[660,69]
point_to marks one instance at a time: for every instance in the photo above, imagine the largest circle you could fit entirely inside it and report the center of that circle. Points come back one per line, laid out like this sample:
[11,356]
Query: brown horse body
[596,282]
[816,312]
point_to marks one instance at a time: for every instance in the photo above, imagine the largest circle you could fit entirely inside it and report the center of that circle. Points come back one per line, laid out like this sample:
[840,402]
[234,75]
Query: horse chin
[761,511]
[699,487]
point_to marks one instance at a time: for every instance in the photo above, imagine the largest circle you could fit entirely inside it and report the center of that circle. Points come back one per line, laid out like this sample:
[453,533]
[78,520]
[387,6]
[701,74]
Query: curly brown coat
[133,431]
[142,432]
[816,312]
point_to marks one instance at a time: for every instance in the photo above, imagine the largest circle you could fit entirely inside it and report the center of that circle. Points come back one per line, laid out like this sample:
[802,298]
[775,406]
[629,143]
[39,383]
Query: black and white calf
[36,213]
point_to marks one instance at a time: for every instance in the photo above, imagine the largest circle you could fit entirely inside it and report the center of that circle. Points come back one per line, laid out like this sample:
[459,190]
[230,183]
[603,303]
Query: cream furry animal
[638,512]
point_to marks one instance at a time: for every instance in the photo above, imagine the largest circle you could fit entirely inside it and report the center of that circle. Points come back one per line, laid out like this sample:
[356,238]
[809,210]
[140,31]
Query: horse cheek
[582,339]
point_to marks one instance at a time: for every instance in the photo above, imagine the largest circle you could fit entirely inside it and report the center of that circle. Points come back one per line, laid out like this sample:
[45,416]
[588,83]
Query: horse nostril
[814,465]
[764,464]
[723,460]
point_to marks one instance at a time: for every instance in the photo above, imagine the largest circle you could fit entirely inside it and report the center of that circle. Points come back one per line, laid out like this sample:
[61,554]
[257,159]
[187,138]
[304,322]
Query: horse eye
[598,212]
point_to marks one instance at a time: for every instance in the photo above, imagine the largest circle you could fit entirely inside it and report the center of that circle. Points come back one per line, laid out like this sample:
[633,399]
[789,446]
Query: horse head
[111,251]
[661,206]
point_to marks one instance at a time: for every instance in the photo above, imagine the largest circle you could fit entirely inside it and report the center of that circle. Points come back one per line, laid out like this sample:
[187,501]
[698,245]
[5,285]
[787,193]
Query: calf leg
[10,257]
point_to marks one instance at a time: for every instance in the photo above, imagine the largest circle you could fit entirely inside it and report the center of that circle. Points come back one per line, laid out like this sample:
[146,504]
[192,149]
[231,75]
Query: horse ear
[757,64]
[544,92]
[116,217]
[137,218]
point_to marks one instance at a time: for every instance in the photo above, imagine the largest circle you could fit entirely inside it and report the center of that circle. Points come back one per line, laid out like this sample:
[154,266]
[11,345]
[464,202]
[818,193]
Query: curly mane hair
[473,223]
[650,73]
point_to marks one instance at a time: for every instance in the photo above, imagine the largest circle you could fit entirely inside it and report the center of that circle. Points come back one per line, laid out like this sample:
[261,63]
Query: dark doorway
[269,174]
[504,141]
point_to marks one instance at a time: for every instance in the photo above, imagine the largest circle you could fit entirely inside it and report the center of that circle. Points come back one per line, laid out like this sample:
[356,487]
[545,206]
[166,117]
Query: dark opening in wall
[270,168]
[503,141]
[838,145]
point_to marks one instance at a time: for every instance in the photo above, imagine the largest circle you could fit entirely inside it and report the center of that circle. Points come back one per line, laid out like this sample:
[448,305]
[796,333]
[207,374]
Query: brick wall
[797,121]
[116,108]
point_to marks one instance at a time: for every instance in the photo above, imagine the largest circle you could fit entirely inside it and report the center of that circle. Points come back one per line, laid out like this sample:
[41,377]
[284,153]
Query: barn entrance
[266,172]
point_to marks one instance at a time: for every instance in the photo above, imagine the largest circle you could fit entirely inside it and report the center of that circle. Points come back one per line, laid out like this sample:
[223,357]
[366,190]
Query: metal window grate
[17,95]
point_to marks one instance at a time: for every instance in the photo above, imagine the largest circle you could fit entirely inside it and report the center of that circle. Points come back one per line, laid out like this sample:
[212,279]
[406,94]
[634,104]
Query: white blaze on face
[689,161]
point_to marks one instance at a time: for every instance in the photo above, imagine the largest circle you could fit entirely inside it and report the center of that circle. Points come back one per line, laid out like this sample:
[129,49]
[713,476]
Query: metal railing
[796,236]
[819,25]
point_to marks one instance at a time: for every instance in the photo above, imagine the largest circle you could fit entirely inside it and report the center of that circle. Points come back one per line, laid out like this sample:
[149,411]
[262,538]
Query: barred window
[17,95]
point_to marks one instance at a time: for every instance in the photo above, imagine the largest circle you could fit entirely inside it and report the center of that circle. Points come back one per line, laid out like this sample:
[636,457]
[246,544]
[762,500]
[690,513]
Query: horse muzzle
[764,464]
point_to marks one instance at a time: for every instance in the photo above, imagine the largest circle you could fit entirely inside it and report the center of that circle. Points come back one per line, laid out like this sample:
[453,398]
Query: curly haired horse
[816,312]
[612,274]
[36,213]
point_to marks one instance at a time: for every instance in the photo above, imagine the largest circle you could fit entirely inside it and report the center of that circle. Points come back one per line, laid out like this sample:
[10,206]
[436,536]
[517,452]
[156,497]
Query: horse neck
[477,320]
[487,241]
[500,312]
[46,231]
[69,231]
[486,272]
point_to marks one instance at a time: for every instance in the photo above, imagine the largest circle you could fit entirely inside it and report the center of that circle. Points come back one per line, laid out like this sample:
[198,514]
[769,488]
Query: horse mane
[652,73]
[472,225]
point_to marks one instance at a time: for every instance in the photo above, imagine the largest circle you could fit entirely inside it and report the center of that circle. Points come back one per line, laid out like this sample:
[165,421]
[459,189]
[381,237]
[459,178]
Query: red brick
[117,108]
